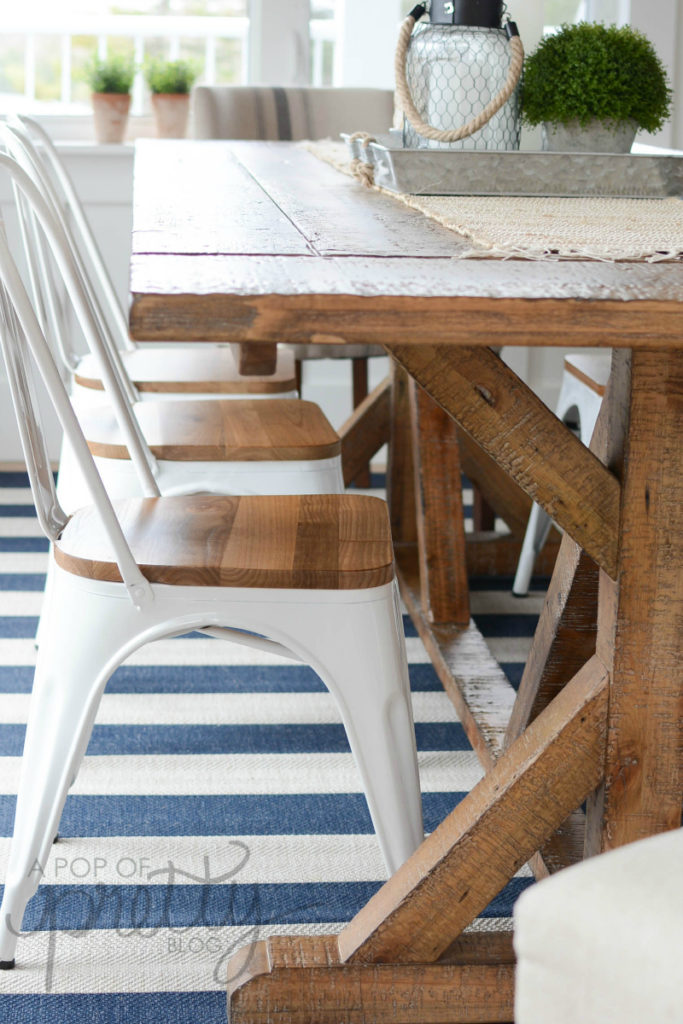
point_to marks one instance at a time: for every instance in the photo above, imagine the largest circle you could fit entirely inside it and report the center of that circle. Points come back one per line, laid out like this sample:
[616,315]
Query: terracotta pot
[110,110]
[594,137]
[171,111]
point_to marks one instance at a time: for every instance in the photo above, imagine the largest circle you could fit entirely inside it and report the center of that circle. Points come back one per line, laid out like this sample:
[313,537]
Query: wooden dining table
[260,243]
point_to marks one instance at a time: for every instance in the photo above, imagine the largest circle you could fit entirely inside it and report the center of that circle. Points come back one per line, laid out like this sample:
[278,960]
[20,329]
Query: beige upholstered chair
[602,942]
[277,113]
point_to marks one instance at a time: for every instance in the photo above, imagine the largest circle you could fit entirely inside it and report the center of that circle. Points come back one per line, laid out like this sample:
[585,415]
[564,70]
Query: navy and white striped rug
[218,803]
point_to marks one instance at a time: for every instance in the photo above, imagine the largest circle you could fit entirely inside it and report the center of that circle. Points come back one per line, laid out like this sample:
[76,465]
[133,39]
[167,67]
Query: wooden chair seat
[233,430]
[198,371]
[592,369]
[328,541]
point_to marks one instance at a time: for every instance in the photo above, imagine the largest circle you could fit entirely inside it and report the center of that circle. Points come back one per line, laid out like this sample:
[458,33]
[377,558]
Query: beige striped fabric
[275,113]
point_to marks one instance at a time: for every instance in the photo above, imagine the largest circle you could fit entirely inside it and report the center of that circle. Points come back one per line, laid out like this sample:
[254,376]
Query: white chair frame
[575,396]
[352,638]
[33,148]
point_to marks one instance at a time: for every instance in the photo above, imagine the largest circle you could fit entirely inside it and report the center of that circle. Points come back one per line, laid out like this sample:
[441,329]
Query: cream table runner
[530,227]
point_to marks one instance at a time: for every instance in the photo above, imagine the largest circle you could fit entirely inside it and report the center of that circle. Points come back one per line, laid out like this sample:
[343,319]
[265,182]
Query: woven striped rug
[218,803]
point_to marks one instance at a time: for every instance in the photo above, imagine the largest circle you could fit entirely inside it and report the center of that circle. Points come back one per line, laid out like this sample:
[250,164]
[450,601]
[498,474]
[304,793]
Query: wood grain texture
[470,675]
[300,980]
[440,516]
[495,554]
[201,369]
[483,514]
[359,392]
[609,442]
[256,359]
[337,217]
[565,635]
[566,846]
[234,430]
[484,947]
[513,426]
[365,431]
[313,301]
[484,701]
[329,541]
[644,774]
[400,470]
[466,861]
[496,487]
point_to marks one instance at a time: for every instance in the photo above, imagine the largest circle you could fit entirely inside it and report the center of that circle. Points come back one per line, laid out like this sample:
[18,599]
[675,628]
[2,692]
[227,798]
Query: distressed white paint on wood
[336,215]
[275,274]
[198,199]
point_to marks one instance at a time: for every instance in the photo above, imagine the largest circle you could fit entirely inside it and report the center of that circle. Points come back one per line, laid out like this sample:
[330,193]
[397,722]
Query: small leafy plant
[170,76]
[112,74]
[590,71]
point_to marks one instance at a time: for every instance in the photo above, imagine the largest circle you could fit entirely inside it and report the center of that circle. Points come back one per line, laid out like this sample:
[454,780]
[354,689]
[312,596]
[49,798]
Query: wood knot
[485,394]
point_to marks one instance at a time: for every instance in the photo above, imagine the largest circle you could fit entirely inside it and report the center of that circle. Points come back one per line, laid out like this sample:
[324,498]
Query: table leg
[640,625]
[619,719]
[439,512]
[400,468]
[256,359]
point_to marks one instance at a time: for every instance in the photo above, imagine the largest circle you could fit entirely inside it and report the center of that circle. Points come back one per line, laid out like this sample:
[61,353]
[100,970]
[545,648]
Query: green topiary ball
[590,70]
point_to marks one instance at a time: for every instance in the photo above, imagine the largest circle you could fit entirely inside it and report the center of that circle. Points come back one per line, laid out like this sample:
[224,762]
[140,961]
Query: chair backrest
[30,144]
[273,113]
[24,347]
[49,300]
[48,230]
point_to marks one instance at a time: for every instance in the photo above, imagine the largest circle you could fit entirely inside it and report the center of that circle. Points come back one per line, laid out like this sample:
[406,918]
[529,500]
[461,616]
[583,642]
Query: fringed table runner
[595,228]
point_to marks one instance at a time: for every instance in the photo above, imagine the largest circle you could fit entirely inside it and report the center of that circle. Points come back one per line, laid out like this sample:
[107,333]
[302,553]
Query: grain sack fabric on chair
[274,113]
[239,446]
[284,114]
[602,942]
[310,577]
[162,372]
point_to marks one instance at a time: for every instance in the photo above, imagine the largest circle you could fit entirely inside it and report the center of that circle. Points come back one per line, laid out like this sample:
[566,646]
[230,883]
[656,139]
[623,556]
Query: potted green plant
[593,86]
[110,80]
[170,82]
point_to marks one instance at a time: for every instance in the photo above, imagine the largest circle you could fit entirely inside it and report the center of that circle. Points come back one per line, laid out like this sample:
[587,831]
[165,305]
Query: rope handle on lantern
[361,169]
[405,98]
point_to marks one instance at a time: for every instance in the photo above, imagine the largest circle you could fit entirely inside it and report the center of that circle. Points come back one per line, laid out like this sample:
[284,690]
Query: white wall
[662,22]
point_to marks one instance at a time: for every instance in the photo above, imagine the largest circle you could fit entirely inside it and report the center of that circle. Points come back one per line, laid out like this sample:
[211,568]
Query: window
[44,46]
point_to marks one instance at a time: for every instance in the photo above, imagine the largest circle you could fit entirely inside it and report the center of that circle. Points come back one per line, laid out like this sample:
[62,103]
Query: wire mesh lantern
[457,66]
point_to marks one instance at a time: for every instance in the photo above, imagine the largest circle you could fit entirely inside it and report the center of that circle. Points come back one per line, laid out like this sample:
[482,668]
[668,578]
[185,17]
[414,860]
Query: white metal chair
[584,379]
[239,446]
[310,577]
[164,372]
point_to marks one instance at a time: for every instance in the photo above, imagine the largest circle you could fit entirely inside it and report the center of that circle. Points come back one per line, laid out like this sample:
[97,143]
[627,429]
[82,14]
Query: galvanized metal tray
[444,172]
